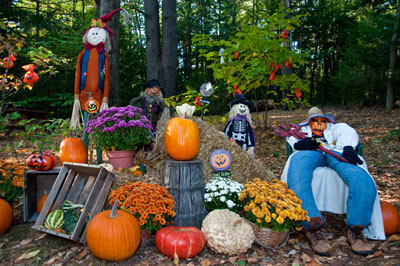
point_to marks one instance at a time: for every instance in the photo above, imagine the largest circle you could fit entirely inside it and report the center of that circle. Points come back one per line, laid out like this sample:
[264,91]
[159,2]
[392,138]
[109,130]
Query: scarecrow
[92,75]
[151,101]
[239,127]
[320,141]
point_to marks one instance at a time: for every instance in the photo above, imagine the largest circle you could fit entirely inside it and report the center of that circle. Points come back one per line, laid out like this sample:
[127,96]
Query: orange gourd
[113,235]
[6,215]
[182,139]
[73,150]
[391,218]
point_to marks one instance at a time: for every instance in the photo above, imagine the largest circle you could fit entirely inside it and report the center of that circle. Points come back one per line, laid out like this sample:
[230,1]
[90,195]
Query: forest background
[340,52]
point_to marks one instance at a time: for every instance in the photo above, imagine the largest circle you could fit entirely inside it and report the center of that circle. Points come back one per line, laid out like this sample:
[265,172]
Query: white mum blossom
[223,192]
[206,195]
[230,204]
[209,199]
[213,188]
[222,198]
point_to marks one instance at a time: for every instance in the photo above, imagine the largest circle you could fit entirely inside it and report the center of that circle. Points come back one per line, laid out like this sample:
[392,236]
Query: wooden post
[185,181]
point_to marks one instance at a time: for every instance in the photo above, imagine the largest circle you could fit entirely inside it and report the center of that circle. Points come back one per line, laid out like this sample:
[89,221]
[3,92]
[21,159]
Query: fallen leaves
[27,255]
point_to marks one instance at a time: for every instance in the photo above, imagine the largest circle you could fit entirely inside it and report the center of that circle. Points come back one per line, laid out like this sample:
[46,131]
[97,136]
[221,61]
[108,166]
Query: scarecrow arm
[295,132]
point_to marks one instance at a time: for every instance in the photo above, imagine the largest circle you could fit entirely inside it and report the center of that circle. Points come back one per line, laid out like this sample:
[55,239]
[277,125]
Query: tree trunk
[187,57]
[392,63]
[152,30]
[106,6]
[83,9]
[169,57]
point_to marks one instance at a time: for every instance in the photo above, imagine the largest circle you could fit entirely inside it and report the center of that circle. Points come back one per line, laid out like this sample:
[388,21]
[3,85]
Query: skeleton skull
[242,109]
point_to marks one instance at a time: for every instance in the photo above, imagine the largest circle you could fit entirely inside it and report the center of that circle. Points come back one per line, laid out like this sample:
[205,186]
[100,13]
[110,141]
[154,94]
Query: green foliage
[260,50]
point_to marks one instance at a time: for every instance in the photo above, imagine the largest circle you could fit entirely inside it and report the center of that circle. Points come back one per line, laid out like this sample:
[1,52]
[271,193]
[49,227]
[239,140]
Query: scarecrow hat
[240,99]
[152,83]
[102,22]
[316,112]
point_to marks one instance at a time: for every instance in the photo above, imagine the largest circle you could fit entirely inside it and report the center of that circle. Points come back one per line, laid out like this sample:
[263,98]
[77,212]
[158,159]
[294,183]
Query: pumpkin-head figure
[318,125]
[317,121]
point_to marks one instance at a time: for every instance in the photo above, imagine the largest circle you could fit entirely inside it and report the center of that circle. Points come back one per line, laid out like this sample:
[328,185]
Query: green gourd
[71,217]
[55,220]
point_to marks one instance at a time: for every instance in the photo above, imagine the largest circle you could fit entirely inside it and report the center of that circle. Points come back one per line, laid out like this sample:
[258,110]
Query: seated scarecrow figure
[151,101]
[92,75]
[341,139]
[239,127]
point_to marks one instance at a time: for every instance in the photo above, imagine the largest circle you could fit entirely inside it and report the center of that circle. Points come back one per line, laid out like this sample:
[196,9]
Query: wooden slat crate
[82,184]
[36,184]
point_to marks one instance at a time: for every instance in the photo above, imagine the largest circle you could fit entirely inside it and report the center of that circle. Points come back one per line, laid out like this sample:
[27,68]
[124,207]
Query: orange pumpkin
[113,235]
[41,161]
[30,76]
[73,150]
[41,202]
[6,215]
[182,139]
[391,218]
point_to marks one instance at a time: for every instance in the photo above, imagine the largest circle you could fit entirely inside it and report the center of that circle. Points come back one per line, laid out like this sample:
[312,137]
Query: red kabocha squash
[182,241]
[113,235]
[391,218]
[182,139]
[73,150]
[41,161]
[6,215]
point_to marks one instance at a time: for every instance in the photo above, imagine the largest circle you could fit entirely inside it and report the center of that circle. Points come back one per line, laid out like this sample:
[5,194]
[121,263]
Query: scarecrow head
[317,121]
[240,106]
[99,32]
[153,88]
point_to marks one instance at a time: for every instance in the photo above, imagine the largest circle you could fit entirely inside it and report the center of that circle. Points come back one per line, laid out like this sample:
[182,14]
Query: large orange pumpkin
[73,150]
[391,218]
[113,235]
[182,139]
[6,215]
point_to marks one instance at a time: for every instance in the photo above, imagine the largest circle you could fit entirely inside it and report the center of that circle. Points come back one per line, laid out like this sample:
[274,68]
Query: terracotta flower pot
[122,159]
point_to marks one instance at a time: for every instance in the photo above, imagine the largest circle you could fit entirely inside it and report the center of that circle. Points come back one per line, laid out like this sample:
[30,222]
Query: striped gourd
[55,220]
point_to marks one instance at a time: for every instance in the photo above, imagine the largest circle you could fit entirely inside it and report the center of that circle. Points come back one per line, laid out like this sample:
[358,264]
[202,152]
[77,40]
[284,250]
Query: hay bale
[243,168]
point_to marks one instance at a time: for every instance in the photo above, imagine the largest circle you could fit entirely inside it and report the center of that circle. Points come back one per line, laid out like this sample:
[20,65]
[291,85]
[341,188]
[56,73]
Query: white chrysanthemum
[214,188]
[206,195]
[230,204]
[223,192]
[209,199]
[222,198]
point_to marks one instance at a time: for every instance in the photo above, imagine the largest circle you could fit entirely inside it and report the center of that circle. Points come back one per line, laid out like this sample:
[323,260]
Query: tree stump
[185,181]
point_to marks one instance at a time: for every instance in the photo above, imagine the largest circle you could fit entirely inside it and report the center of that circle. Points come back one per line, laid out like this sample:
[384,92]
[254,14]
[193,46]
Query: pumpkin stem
[113,213]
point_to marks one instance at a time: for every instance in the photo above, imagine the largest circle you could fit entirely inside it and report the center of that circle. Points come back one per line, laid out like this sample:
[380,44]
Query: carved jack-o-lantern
[220,160]
[318,125]
[41,161]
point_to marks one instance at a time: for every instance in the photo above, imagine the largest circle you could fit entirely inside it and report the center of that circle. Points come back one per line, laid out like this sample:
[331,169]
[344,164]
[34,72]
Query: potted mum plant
[151,204]
[120,131]
[272,209]
[223,193]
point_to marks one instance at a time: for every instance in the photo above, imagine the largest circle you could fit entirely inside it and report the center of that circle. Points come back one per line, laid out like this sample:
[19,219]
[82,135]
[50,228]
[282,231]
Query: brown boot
[358,242]
[319,243]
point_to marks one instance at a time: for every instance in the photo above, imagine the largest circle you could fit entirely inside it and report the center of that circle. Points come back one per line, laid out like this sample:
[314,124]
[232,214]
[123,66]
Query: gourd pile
[64,220]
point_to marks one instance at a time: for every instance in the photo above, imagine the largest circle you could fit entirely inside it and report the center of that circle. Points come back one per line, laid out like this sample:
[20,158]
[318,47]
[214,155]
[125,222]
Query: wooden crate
[82,184]
[36,184]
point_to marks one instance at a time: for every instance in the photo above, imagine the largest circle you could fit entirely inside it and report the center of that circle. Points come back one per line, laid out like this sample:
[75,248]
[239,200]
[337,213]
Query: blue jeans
[362,189]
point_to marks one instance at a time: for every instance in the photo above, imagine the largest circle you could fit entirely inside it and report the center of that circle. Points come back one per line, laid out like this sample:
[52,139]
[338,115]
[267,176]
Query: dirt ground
[377,128]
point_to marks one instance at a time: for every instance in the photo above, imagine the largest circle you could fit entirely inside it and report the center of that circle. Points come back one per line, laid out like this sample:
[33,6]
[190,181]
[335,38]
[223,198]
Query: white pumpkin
[227,233]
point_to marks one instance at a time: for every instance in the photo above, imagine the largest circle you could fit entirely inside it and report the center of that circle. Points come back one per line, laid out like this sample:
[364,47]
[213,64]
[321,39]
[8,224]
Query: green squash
[55,220]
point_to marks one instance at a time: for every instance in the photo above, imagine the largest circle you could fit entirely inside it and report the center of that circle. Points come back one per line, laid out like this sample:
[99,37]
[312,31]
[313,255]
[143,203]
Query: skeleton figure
[239,127]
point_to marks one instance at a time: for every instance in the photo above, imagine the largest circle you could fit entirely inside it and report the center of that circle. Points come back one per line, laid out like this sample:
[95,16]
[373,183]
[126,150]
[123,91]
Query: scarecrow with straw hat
[239,127]
[319,130]
[92,75]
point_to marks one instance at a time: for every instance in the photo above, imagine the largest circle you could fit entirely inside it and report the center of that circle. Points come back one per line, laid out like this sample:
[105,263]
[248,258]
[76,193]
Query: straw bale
[243,168]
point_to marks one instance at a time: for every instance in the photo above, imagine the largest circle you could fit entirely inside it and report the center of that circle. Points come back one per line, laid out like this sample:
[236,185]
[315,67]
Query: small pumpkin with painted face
[41,161]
